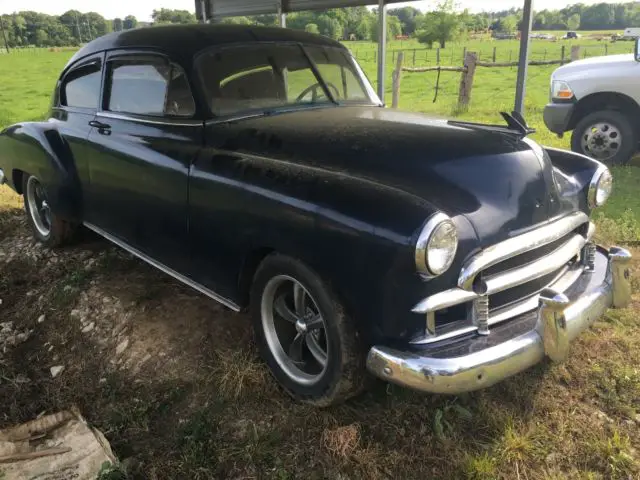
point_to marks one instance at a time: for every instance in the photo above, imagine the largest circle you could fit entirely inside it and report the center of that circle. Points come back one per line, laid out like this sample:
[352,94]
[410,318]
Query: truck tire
[48,228]
[607,136]
[304,333]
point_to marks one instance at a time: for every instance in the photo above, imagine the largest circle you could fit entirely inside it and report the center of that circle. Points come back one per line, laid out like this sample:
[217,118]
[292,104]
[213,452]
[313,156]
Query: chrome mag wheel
[294,329]
[601,141]
[38,206]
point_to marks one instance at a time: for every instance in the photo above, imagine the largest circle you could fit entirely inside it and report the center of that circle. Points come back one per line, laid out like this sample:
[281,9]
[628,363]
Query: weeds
[342,441]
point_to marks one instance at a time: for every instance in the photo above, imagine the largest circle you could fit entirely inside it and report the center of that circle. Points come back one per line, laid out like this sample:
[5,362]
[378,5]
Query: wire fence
[455,55]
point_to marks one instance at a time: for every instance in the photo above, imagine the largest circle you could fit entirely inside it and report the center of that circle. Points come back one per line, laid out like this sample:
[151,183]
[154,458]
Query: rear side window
[81,87]
[148,86]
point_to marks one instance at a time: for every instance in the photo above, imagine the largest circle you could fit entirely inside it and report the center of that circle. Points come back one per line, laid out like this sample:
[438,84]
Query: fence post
[494,53]
[438,56]
[606,49]
[562,52]
[544,59]
[464,53]
[393,56]
[466,80]
[397,75]
[575,52]
[414,57]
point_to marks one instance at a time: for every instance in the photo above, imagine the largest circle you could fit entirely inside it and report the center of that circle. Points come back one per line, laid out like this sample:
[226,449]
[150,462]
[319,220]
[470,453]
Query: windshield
[268,76]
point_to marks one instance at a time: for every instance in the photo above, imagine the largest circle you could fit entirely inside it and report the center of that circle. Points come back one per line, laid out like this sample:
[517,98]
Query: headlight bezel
[433,226]
[558,86]
[602,175]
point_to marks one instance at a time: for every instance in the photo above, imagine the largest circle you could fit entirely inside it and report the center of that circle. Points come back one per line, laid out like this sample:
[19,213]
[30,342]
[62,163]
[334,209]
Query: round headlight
[600,187]
[437,246]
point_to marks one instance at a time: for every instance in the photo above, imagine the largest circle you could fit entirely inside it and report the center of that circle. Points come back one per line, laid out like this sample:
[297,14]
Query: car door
[74,108]
[145,137]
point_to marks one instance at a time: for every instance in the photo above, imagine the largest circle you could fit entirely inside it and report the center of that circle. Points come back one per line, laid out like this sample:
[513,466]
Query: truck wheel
[304,334]
[48,228]
[607,136]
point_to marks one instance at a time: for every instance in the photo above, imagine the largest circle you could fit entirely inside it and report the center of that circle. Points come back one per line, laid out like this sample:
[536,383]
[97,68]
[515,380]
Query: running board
[187,281]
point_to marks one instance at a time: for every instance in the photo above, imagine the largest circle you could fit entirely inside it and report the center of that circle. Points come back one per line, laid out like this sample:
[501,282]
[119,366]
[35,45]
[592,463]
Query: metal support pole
[382,46]
[282,17]
[523,64]
[203,11]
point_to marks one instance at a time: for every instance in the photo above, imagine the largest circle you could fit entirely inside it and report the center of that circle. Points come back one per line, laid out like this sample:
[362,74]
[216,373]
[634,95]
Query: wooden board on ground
[53,447]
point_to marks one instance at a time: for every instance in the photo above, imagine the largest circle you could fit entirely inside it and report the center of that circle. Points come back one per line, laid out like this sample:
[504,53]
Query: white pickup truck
[599,99]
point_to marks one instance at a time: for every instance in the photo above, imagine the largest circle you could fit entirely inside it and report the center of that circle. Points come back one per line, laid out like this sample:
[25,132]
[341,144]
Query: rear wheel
[304,334]
[48,228]
[607,136]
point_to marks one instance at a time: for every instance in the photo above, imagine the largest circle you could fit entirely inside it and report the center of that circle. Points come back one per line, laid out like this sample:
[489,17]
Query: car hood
[608,64]
[493,179]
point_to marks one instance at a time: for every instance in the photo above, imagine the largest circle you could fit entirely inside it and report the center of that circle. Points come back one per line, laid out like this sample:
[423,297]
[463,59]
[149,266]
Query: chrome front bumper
[560,318]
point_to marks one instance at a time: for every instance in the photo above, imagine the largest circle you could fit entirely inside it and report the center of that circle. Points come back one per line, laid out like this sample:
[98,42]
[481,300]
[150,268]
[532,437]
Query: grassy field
[189,398]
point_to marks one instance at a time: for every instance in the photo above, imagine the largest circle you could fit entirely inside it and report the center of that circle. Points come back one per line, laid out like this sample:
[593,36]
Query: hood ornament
[516,125]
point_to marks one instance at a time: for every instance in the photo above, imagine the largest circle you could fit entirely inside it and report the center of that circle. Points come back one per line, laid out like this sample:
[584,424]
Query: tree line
[444,23]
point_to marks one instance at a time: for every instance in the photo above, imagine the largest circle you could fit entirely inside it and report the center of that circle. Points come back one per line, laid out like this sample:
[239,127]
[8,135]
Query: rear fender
[37,148]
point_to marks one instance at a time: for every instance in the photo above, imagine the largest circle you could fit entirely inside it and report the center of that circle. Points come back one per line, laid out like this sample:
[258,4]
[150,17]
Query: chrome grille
[507,276]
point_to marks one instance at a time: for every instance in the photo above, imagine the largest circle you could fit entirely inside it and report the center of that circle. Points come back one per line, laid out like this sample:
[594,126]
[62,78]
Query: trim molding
[178,276]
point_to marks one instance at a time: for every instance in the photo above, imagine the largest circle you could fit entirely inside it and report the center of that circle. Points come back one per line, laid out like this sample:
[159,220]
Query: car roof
[184,41]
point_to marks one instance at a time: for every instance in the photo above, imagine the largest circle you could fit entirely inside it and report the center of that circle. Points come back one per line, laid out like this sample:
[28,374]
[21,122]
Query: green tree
[363,30]
[408,17]
[573,22]
[237,21]
[442,25]
[41,38]
[312,28]
[117,24]
[394,27]
[507,24]
[130,22]
[167,15]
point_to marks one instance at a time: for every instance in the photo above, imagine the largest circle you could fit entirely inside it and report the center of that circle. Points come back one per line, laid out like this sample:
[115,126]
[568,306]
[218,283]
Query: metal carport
[207,10]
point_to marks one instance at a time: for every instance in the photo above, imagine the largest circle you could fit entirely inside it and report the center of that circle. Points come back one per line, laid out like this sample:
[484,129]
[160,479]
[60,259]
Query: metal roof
[231,8]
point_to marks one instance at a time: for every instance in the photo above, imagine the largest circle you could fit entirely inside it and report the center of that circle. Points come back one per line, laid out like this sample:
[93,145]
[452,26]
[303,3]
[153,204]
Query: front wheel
[304,334]
[607,136]
[47,226]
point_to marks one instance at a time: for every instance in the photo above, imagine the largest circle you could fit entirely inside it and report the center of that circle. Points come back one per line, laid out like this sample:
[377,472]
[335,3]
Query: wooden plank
[433,69]
[515,64]
[575,53]
[397,76]
[466,80]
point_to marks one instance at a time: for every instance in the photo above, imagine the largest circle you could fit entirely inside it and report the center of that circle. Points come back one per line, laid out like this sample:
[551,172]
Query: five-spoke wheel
[294,329]
[39,209]
[304,333]
[48,227]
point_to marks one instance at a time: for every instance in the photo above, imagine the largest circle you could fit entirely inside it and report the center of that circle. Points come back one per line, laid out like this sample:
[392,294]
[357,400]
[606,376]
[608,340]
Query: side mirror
[637,50]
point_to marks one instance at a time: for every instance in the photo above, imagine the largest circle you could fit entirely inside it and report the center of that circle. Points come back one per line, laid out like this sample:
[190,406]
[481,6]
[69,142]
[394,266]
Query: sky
[142,8]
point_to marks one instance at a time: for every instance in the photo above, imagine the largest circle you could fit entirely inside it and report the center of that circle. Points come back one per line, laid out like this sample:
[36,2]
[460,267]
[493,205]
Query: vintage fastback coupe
[258,166]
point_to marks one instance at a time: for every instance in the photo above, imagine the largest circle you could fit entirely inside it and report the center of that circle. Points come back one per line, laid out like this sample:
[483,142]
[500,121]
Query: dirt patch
[174,382]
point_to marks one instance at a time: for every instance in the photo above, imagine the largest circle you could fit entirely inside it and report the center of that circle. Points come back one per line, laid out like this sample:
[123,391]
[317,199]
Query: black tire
[628,136]
[59,231]
[345,373]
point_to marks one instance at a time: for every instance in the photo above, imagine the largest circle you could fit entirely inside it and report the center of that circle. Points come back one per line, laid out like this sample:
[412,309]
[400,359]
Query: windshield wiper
[516,125]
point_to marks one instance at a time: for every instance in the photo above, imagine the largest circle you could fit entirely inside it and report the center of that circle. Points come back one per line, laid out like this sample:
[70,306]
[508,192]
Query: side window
[81,87]
[148,86]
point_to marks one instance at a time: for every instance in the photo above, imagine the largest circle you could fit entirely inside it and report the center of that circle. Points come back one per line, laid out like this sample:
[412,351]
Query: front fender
[38,148]
[573,173]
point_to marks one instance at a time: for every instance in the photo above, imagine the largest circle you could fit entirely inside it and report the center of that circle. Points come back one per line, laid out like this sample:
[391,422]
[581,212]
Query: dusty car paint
[346,189]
